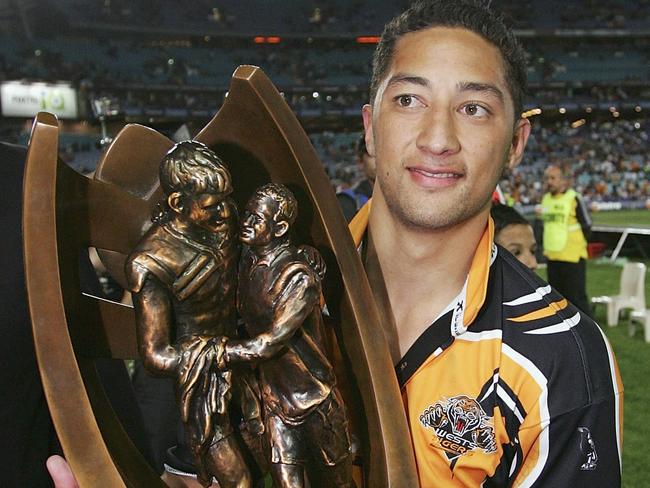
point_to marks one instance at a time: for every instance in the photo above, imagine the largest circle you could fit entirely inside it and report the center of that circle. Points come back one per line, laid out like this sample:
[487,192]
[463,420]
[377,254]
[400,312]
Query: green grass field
[632,354]
[622,217]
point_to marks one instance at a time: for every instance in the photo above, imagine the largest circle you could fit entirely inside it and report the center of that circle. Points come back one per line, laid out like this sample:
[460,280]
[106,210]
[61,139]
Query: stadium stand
[164,64]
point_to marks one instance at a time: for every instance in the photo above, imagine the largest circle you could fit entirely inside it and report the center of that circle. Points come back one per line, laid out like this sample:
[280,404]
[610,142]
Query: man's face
[210,211]
[258,226]
[554,180]
[519,239]
[442,128]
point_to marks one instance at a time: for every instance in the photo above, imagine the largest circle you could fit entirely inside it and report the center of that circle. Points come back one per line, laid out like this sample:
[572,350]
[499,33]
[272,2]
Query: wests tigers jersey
[511,385]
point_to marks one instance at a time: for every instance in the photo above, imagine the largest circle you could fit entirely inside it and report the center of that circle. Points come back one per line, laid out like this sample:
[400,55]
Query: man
[352,199]
[183,276]
[567,225]
[504,382]
[279,300]
[514,233]
[502,378]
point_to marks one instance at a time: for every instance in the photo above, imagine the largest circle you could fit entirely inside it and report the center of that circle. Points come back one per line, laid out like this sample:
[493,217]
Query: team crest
[461,426]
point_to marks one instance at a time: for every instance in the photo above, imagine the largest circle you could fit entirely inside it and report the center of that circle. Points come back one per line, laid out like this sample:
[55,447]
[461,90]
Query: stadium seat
[631,294]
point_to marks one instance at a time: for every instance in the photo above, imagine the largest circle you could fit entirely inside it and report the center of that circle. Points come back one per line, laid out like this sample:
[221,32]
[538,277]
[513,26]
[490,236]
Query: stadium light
[531,112]
[368,39]
[267,40]
[577,123]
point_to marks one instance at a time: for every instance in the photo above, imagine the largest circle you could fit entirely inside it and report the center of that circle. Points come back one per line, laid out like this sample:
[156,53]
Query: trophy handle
[55,228]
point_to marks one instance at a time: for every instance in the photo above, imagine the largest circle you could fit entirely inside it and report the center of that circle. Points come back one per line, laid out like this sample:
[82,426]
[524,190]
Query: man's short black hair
[504,215]
[360,147]
[474,15]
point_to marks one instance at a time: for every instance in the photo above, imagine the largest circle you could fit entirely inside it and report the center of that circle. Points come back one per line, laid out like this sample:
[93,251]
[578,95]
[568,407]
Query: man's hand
[61,473]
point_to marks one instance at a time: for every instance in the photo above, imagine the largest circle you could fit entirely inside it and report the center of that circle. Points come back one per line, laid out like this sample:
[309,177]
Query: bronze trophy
[259,137]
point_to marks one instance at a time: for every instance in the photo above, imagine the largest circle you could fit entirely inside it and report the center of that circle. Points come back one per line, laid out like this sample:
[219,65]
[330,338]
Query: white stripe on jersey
[557,328]
[544,416]
[535,296]
[495,380]
[503,394]
[617,388]
[480,336]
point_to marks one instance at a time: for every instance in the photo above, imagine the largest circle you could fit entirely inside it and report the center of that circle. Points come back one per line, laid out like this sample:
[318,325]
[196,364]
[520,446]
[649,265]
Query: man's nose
[437,134]
[530,261]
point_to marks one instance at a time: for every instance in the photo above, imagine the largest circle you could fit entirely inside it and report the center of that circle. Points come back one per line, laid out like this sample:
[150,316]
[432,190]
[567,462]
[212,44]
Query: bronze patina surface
[64,212]
[278,297]
[183,276]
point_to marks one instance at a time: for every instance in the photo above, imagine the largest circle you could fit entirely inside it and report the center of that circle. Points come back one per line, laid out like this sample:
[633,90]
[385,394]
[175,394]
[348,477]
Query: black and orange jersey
[511,385]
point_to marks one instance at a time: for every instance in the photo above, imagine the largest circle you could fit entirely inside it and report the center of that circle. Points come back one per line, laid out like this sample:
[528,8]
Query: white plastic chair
[630,296]
[641,317]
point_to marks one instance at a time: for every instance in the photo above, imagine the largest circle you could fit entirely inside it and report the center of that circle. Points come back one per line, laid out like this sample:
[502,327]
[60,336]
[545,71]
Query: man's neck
[423,270]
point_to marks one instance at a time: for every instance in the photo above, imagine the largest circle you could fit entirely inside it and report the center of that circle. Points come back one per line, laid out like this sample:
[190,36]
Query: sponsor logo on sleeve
[588,450]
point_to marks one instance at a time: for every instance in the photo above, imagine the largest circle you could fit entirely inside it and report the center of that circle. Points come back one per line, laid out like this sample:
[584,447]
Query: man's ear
[281,228]
[366,113]
[175,202]
[519,140]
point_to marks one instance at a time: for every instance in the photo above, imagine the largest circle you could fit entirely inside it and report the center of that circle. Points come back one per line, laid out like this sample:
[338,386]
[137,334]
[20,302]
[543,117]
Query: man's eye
[405,100]
[474,110]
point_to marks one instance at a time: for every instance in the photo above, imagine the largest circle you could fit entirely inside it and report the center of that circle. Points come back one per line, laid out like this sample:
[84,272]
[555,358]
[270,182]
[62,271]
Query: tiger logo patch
[460,426]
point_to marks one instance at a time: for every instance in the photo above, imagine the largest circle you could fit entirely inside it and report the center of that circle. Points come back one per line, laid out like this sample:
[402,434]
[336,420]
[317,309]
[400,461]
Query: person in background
[567,225]
[353,198]
[513,232]
[27,436]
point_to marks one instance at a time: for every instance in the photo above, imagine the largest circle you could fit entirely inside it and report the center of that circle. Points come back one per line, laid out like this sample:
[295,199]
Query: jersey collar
[477,279]
[461,312]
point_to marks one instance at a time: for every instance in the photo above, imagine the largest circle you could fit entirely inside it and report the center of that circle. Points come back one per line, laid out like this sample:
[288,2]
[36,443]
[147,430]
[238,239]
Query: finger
[61,473]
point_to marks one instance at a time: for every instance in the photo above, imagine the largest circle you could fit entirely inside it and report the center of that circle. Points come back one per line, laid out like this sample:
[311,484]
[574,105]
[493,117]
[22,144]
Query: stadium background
[165,63]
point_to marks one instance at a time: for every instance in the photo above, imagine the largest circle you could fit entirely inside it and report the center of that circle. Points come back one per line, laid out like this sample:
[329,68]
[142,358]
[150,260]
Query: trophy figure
[278,297]
[182,275]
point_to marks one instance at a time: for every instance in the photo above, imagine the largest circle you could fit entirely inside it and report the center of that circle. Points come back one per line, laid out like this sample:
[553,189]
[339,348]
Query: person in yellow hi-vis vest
[566,228]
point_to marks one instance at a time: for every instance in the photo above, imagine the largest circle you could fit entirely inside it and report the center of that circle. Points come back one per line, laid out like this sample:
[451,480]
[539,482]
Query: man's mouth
[435,173]
[434,177]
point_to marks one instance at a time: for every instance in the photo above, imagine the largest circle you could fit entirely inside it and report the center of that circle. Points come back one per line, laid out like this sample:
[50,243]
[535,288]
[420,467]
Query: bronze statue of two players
[193,275]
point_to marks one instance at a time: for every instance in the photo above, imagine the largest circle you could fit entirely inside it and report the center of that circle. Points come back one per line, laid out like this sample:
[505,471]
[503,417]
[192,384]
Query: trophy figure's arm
[299,295]
[154,316]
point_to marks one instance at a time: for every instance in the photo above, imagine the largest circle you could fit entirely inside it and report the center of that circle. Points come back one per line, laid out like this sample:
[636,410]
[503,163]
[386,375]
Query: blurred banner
[24,99]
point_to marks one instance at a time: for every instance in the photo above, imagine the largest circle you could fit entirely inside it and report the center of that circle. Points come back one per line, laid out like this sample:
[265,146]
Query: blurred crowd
[609,161]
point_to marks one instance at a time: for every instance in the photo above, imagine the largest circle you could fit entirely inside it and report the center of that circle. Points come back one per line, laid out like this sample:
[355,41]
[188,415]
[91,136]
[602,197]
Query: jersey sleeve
[577,448]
